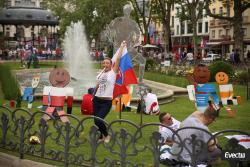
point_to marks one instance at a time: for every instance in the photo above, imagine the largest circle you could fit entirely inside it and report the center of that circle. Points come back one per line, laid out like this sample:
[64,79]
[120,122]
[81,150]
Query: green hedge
[220,66]
[9,84]
[243,77]
[150,64]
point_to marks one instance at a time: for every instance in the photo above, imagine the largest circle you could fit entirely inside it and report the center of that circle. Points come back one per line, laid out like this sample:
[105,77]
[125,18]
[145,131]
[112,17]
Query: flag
[126,74]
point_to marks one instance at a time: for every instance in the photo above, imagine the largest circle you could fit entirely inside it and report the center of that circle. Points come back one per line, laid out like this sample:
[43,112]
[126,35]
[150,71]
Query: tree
[143,15]
[62,9]
[1,4]
[98,14]
[164,8]
[192,10]
[95,14]
[236,19]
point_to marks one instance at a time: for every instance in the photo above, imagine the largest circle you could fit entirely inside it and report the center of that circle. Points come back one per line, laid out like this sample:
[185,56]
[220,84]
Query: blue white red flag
[126,74]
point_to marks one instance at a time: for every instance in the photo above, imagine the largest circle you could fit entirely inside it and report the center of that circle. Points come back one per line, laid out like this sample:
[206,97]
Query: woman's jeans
[101,108]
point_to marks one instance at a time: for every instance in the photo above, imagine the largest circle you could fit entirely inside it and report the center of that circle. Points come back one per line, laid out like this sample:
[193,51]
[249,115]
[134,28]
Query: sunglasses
[170,117]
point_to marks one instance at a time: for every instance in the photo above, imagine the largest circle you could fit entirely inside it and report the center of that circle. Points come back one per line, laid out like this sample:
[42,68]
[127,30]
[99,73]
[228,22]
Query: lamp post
[142,4]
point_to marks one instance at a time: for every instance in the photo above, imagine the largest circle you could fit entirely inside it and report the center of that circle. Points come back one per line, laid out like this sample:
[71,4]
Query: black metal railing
[77,142]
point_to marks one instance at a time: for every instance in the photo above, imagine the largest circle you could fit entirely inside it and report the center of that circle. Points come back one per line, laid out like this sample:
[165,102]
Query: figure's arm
[70,99]
[215,97]
[118,58]
[190,78]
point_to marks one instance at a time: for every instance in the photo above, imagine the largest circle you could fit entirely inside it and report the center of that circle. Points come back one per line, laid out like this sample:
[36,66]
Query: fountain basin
[164,92]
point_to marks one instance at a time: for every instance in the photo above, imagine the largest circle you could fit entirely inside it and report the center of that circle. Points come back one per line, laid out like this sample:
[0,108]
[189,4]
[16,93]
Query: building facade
[221,33]
[182,32]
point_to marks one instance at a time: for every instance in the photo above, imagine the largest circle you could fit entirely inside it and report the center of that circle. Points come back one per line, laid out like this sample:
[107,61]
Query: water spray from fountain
[76,55]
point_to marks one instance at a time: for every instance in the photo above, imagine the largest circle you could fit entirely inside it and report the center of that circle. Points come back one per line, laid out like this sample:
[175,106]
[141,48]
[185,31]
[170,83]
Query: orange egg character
[221,78]
[226,90]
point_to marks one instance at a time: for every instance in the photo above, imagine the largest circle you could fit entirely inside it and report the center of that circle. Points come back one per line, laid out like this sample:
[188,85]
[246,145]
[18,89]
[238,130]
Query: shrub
[150,64]
[220,66]
[171,72]
[243,77]
[9,84]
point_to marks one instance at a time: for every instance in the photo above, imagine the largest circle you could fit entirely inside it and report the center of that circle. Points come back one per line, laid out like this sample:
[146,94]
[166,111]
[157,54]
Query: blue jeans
[101,109]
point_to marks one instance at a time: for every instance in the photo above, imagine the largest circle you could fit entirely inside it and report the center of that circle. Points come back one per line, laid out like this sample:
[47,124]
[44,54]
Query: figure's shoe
[107,139]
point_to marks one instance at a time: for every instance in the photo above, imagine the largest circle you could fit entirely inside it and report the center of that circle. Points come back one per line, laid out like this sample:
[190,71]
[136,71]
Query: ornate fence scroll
[77,143]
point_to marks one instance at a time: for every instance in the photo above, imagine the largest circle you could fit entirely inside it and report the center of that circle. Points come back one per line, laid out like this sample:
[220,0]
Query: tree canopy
[192,10]
[94,14]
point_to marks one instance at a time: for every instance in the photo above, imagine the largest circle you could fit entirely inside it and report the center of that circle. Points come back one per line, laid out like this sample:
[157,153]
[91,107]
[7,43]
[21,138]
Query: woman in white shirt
[102,100]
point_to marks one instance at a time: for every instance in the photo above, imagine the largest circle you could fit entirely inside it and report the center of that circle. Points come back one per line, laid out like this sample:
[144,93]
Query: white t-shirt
[151,102]
[106,81]
[185,154]
[167,133]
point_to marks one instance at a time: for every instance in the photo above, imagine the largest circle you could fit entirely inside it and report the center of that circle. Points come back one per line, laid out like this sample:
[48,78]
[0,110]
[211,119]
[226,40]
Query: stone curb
[7,160]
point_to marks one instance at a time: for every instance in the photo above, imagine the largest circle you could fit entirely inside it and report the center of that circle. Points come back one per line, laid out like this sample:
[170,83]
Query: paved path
[175,89]
[7,160]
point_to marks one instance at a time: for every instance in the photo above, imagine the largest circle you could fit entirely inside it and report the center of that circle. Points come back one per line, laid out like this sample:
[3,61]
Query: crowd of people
[24,52]
[235,57]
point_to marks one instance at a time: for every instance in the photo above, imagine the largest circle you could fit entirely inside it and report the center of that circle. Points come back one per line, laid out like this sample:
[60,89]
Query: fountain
[76,55]
[77,62]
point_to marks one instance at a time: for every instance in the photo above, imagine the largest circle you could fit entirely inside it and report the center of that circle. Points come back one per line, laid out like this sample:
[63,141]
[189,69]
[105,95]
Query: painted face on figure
[221,78]
[35,81]
[201,74]
[106,64]
[59,77]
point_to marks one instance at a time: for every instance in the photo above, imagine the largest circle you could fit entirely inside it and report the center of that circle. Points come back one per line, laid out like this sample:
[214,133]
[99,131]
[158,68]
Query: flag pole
[141,109]
[120,107]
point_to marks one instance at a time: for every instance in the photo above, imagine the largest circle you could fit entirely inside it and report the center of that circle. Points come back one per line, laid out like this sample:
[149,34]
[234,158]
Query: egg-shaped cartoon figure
[28,93]
[54,96]
[221,78]
[201,74]
[59,77]
[203,91]
[226,90]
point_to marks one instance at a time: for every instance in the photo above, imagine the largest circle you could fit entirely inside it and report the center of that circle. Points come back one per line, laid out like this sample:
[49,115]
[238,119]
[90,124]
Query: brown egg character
[221,78]
[201,74]
[59,77]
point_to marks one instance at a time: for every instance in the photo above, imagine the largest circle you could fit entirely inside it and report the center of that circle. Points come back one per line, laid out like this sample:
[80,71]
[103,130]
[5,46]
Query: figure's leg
[63,118]
[30,101]
[101,109]
[48,110]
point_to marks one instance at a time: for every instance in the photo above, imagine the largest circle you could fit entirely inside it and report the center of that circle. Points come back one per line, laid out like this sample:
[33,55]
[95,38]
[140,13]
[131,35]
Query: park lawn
[163,78]
[179,109]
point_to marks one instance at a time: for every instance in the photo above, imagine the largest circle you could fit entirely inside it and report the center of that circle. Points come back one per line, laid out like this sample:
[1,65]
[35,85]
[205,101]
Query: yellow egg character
[226,90]
[221,78]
